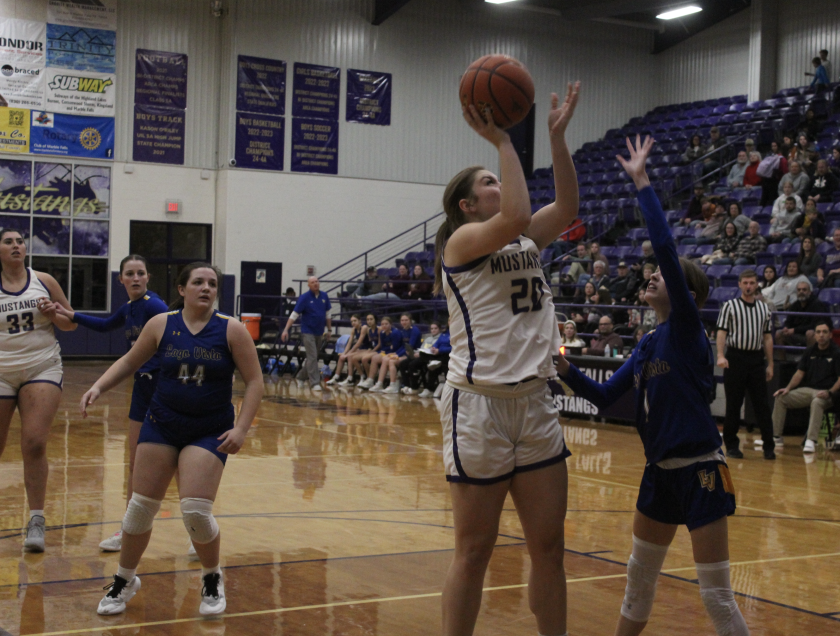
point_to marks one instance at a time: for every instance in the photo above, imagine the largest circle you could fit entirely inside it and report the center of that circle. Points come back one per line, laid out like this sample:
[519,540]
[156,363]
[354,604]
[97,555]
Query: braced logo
[79,84]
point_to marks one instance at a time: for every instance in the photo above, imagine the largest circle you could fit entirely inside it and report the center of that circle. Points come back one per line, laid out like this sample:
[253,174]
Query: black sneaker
[769,455]
[212,595]
[735,453]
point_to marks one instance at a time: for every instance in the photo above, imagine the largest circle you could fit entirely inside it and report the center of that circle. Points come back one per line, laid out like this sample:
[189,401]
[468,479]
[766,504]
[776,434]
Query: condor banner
[22,63]
[14,130]
[71,135]
[74,93]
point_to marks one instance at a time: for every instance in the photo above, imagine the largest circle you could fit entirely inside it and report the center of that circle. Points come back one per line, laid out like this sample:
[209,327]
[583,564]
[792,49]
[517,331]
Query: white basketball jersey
[502,324]
[26,335]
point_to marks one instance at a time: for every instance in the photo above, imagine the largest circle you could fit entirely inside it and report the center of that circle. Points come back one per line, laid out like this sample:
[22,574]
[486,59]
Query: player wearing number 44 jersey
[30,368]
[190,427]
[501,430]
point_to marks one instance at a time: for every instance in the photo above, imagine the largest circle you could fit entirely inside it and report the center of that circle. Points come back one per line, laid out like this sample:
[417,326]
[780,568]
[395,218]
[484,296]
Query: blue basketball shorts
[162,426]
[694,496]
[141,396]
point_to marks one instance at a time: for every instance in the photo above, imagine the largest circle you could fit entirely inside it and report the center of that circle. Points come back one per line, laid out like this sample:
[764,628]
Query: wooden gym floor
[336,519]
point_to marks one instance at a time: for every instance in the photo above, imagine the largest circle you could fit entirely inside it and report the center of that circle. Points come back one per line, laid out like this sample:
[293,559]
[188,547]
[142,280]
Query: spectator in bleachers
[623,286]
[797,177]
[803,152]
[737,171]
[798,331]
[716,140]
[735,216]
[751,177]
[825,64]
[607,340]
[768,277]
[781,225]
[642,314]
[810,224]
[399,284]
[814,384]
[372,284]
[810,261]
[783,292]
[695,149]
[832,261]
[771,170]
[779,203]
[421,284]
[710,229]
[695,205]
[809,126]
[824,183]
[750,245]
[569,336]
[834,161]
[820,81]
[581,263]
[725,248]
[586,316]
[707,211]
[648,257]
[596,254]
[600,277]
[638,334]
[749,146]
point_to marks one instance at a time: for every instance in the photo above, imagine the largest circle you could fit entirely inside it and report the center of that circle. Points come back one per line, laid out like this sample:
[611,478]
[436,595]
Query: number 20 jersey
[26,335]
[502,324]
[196,371]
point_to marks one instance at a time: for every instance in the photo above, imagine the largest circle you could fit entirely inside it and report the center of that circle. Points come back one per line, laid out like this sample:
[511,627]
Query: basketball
[502,83]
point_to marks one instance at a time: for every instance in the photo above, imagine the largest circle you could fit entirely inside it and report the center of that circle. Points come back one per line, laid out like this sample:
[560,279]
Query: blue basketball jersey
[373,337]
[196,371]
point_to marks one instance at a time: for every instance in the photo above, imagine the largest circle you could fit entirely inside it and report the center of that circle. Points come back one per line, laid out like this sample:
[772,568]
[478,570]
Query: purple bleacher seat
[830,295]
[716,271]
[751,210]
[822,208]
[681,232]
[764,229]
[776,249]
[547,255]
[790,249]
[704,250]
[737,108]
[761,217]
[722,294]
[686,250]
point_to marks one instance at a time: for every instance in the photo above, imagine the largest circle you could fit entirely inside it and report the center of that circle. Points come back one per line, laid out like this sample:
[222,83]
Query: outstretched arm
[549,222]
[601,395]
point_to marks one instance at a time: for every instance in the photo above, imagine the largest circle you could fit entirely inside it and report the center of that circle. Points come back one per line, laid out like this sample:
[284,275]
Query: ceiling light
[678,13]
[499,1]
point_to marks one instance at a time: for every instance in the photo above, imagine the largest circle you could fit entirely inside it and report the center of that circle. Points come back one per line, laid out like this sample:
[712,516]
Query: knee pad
[642,573]
[716,592]
[139,514]
[199,520]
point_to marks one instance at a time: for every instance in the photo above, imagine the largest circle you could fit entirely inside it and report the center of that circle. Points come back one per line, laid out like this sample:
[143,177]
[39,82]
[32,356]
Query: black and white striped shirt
[745,323]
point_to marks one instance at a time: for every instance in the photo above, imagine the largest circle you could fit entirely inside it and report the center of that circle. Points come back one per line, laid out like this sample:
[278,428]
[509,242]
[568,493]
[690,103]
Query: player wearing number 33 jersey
[192,403]
[29,351]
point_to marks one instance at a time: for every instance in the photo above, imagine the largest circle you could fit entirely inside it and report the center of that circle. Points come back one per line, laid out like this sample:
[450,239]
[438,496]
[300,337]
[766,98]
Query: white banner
[78,93]
[92,14]
[22,62]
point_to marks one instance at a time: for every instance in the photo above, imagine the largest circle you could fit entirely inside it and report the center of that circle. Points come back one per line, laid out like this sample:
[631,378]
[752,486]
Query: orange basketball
[502,83]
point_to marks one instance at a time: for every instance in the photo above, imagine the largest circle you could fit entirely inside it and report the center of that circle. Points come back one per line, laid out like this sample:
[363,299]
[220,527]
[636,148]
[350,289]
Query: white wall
[804,29]
[713,63]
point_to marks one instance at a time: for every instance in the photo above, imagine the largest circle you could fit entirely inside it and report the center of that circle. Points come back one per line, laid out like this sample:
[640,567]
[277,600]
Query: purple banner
[314,145]
[52,190]
[19,223]
[90,238]
[50,236]
[315,91]
[159,134]
[161,79]
[15,182]
[368,97]
[259,141]
[261,85]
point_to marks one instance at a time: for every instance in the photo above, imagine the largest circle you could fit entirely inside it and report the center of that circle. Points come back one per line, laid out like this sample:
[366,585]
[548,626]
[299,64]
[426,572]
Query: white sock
[205,571]
[35,513]
[125,573]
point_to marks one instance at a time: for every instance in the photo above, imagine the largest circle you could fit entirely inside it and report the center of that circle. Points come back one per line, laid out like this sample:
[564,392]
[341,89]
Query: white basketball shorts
[49,371]
[488,439]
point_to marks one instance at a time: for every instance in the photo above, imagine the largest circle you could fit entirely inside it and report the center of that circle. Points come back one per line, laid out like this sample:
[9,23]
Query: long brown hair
[460,187]
[696,280]
[184,278]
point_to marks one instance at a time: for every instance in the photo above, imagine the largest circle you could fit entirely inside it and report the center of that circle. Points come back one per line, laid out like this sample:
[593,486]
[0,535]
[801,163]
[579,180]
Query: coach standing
[743,332]
[315,322]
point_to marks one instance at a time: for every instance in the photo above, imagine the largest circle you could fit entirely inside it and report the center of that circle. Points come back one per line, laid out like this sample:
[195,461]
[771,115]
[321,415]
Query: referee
[744,333]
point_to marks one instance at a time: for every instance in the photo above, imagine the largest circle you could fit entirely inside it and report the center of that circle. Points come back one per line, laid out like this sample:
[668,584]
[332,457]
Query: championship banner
[72,135]
[261,85]
[315,91]
[81,49]
[259,141]
[161,79]
[74,93]
[14,130]
[22,62]
[95,14]
[314,145]
[368,97]
[159,134]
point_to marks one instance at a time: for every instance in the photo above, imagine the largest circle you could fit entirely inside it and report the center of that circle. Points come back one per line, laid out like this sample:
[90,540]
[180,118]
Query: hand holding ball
[500,83]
